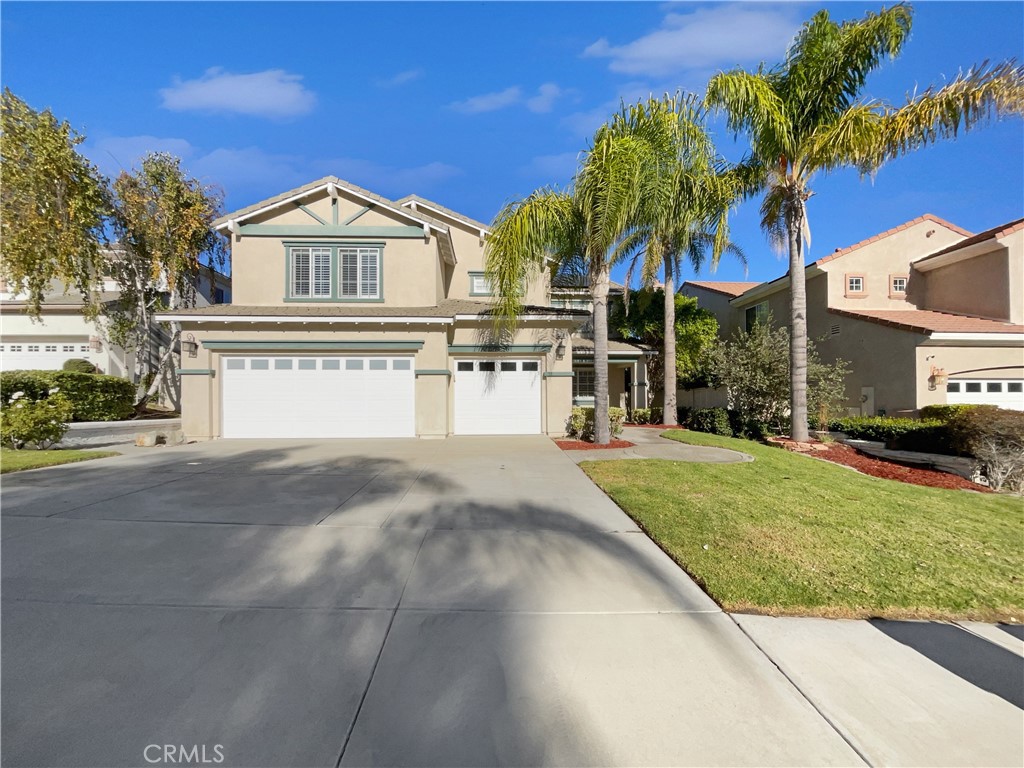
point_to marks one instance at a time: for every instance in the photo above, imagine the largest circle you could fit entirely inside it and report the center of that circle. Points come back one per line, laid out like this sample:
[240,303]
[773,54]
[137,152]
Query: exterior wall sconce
[95,344]
[189,346]
[938,378]
[560,347]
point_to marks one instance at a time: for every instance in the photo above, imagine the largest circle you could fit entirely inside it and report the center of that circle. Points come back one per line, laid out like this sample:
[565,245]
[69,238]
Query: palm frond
[752,105]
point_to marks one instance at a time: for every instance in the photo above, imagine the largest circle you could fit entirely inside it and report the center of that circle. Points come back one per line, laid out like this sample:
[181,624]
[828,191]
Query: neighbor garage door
[1006,393]
[331,396]
[40,355]
[497,397]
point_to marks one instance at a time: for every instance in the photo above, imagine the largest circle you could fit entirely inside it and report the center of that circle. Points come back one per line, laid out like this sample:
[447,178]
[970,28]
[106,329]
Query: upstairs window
[311,273]
[898,285]
[479,285]
[855,285]
[359,270]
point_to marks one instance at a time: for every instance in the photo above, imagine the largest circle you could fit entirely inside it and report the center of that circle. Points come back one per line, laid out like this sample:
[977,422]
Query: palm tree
[578,230]
[808,115]
[687,215]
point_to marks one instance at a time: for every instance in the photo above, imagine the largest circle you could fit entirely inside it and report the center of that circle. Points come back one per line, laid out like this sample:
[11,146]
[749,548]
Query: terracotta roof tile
[893,231]
[929,321]
[734,288]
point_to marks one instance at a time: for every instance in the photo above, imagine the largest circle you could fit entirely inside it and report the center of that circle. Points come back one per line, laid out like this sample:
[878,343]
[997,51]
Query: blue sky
[472,104]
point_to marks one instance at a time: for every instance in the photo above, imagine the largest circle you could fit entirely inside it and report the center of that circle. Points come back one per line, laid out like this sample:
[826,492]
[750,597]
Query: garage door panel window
[259,365]
[353,365]
[234,364]
[534,367]
[1002,393]
[331,365]
[307,365]
[401,365]
[464,366]
[282,364]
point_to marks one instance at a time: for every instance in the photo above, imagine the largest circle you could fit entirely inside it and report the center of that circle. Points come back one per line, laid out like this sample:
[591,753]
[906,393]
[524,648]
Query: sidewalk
[650,445]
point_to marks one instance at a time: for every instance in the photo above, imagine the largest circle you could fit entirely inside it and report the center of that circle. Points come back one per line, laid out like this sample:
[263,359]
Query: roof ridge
[889,232]
[442,209]
[993,233]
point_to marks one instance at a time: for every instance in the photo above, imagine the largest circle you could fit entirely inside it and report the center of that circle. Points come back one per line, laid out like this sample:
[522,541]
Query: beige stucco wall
[990,284]
[880,357]
[973,362]
[891,255]
[718,304]
[979,286]
[259,279]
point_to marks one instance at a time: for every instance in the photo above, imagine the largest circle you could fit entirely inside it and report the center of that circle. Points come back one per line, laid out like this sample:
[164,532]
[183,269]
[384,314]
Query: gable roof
[889,232]
[929,321]
[726,288]
[404,202]
[314,186]
[989,234]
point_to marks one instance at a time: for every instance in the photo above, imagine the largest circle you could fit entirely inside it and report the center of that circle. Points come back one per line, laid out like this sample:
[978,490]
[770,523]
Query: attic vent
[835,330]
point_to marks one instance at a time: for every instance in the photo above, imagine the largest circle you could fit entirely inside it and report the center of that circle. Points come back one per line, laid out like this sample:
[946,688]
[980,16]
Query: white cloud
[545,99]
[720,36]
[585,122]
[272,93]
[399,79]
[489,102]
[386,179]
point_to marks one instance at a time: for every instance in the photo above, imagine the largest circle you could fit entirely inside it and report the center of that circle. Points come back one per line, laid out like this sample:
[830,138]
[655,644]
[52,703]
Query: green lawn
[791,535]
[15,461]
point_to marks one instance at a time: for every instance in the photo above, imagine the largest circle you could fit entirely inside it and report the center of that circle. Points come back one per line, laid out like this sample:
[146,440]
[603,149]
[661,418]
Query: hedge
[925,436]
[78,365]
[93,397]
[712,420]
[943,413]
[581,423]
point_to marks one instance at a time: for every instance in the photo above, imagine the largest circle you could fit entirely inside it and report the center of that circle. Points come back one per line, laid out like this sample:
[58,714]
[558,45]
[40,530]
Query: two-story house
[925,313]
[358,316]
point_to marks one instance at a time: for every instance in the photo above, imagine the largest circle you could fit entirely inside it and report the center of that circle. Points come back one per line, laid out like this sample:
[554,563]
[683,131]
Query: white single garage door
[1006,393]
[40,355]
[497,397]
[329,396]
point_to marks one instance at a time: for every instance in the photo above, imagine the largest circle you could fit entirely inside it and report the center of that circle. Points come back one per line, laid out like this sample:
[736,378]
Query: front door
[867,401]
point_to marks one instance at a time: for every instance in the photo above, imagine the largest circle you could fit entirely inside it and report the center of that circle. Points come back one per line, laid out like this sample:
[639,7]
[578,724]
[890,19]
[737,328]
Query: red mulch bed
[580,445]
[838,453]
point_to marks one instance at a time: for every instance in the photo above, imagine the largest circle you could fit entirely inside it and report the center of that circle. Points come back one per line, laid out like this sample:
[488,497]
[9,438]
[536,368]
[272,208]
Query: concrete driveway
[474,601]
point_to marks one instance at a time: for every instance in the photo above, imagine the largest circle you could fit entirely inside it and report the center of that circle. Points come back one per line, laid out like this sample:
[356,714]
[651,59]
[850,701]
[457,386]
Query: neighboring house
[925,313]
[627,363]
[358,316]
[62,333]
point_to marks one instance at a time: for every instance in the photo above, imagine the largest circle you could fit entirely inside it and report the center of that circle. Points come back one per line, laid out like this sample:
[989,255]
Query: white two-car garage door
[326,396]
[497,397]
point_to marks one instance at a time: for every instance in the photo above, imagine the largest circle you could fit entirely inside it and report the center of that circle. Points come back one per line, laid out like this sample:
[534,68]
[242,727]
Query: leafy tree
[642,320]
[808,116]
[52,206]
[686,216]
[163,220]
[578,230]
[754,369]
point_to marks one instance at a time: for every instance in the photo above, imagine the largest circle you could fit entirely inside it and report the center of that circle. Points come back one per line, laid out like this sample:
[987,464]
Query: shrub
[39,423]
[713,420]
[581,423]
[928,437]
[641,415]
[93,397]
[943,413]
[657,415]
[925,436]
[683,413]
[78,365]
[995,437]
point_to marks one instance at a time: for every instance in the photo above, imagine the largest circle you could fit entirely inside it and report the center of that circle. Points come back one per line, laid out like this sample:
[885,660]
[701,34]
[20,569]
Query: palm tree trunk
[798,326]
[599,295]
[668,417]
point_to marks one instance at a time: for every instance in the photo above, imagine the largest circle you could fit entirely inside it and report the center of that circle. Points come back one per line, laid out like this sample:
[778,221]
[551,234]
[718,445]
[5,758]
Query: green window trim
[335,296]
[299,346]
[195,372]
[558,374]
[330,230]
[433,372]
